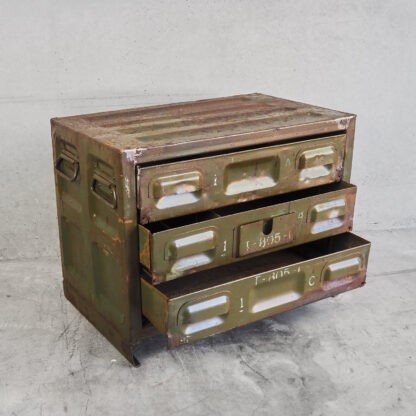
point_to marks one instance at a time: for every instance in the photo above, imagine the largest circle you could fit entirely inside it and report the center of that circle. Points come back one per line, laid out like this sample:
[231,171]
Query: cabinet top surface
[181,129]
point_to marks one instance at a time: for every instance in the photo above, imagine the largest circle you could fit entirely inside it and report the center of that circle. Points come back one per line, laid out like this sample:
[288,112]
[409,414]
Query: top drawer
[180,188]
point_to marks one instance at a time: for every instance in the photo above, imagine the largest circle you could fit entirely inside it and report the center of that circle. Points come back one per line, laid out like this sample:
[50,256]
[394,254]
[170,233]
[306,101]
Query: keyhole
[267,226]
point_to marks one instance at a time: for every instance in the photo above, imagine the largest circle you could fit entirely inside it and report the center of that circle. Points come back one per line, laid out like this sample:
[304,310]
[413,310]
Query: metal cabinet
[194,218]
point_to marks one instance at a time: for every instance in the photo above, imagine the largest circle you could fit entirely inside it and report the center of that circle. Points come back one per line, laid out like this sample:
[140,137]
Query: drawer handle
[317,157]
[251,175]
[63,161]
[342,268]
[104,190]
[178,189]
[178,184]
[316,163]
[191,245]
[203,314]
[328,215]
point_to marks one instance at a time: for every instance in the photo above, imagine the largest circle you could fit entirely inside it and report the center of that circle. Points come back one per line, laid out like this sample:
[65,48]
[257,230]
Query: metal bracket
[60,161]
[104,190]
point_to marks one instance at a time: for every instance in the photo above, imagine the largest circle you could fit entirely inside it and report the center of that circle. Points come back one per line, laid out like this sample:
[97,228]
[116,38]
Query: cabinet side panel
[98,235]
[349,148]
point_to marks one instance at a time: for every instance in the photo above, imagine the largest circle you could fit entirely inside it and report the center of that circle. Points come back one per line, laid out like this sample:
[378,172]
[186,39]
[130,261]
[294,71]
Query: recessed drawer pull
[328,216]
[192,244]
[203,314]
[177,189]
[339,268]
[317,157]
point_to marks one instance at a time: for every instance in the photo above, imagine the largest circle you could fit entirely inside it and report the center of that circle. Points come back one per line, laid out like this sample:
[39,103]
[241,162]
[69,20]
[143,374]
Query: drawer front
[176,189]
[190,309]
[172,249]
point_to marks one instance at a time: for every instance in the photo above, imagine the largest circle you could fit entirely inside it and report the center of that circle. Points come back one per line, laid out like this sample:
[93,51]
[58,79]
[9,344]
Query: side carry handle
[104,190]
[67,167]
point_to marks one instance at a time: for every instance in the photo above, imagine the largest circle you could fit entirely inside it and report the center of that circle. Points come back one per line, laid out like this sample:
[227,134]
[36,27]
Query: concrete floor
[351,355]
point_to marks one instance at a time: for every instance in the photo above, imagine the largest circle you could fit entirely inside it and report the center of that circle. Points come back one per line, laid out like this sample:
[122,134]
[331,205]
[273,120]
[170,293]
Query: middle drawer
[181,246]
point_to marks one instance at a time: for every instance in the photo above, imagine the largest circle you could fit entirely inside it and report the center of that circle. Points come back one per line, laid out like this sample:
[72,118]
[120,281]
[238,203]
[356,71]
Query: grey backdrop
[63,58]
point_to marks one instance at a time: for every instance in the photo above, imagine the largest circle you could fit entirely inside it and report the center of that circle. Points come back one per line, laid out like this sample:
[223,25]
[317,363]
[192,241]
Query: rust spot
[125,221]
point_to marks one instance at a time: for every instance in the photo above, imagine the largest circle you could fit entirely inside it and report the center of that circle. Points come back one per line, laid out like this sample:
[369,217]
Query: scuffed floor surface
[350,355]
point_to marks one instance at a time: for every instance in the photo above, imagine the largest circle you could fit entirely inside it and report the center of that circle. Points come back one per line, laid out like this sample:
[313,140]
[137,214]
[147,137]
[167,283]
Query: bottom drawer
[220,299]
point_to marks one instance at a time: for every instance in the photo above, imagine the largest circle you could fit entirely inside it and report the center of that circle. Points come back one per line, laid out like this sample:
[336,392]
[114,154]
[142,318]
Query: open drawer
[230,296]
[174,248]
[193,185]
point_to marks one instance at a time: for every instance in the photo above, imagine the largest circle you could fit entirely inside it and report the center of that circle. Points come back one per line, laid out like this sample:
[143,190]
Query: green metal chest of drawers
[195,218]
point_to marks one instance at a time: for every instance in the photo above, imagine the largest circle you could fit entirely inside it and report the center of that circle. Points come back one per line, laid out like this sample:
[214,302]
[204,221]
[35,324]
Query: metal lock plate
[230,296]
[265,234]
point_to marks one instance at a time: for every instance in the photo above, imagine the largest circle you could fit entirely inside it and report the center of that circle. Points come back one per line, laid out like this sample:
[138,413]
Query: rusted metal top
[178,130]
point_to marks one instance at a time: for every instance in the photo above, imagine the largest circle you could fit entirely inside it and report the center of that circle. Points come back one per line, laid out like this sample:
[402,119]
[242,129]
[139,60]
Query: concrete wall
[62,58]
